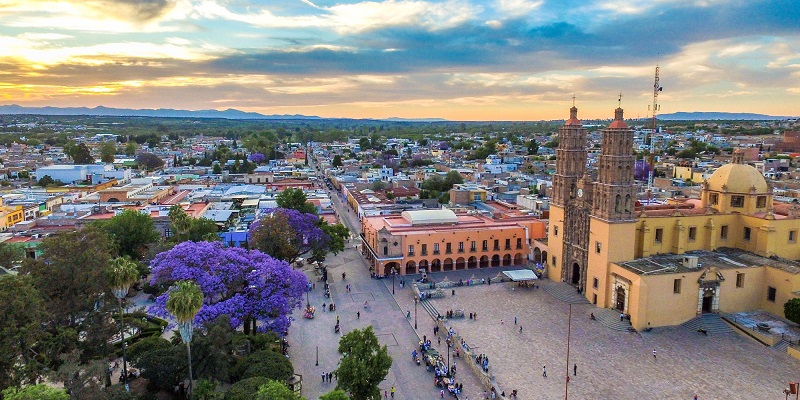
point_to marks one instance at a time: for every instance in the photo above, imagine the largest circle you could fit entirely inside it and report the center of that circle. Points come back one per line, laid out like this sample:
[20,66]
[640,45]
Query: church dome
[737,178]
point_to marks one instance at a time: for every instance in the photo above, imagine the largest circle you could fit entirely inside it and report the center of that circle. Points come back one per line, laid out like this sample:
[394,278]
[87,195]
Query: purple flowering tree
[258,158]
[248,286]
[286,234]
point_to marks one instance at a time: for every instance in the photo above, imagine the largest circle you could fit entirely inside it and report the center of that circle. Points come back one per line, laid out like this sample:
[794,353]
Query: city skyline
[453,59]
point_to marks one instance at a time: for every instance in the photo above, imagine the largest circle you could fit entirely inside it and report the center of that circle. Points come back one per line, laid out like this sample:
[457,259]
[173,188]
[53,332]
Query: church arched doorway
[620,305]
[576,273]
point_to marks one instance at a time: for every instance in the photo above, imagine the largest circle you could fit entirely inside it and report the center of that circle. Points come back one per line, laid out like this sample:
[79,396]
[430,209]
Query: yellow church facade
[731,250]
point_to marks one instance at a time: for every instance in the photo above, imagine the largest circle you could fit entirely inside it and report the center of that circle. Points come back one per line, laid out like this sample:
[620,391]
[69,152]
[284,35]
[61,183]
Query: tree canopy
[235,282]
[295,199]
[286,234]
[364,364]
[132,231]
[22,312]
[107,151]
[81,154]
[149,161]
[791,309]
[275,390]
[186,228]
[35,392]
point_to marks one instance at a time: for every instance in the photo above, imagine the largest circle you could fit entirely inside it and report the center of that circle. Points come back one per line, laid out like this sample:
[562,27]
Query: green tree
[246,389]
[82,155]
[337,394]
[107,151]
[130,149]
[149,161]
[791,310]
[379,186]
[138,349]
[46,181]
[22,313]
[185,300]
[132,231]
[337,161]
[207,390]
[162,367]
[452,178]
[11,254]
[364,364]
[79,260]
[217,169]
[533,147]
[338,234]
[295,199]
[186,228]
[267,363]
[35,392]
[275,390]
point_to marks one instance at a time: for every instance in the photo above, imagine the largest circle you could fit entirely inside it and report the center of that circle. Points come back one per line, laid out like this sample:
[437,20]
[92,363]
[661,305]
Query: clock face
[580,192]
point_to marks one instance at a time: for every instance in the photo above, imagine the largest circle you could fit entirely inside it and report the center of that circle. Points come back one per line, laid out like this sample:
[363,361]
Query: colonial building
[730,250]
[441,240]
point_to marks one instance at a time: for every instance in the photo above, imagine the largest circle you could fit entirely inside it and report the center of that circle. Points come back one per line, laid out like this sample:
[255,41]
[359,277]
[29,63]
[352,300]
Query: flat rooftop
[722,258]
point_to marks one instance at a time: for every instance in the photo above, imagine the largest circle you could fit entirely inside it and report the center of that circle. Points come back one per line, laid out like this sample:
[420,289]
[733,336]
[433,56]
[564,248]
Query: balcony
[436,252]
[424,253]
[411,254]
[496,248]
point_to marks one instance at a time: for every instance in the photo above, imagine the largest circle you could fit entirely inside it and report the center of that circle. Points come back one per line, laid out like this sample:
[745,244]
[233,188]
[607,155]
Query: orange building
[441,240]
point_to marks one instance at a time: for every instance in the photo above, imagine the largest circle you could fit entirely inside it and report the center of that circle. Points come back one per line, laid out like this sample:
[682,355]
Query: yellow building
[730,250]
[10,215]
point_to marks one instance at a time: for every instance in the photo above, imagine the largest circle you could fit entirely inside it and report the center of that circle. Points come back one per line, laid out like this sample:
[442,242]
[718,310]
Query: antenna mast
[656,88]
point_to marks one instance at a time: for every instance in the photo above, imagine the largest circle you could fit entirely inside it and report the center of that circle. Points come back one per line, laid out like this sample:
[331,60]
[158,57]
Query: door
[576,273]
[621,299]
[708,299]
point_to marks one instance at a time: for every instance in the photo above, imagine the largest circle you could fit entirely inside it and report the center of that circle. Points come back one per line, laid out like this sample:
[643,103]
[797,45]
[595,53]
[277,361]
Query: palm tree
[185,300]
[122,273]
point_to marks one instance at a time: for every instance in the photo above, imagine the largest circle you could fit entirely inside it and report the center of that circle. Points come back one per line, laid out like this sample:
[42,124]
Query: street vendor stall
[523,277]
[309,313]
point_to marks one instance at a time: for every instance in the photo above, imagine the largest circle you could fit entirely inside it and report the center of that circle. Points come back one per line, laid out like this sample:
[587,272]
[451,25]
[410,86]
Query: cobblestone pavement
[611,364]
[388,320]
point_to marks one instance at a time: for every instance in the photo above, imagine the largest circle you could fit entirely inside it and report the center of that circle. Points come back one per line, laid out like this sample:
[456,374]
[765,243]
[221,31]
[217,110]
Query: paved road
[308,338]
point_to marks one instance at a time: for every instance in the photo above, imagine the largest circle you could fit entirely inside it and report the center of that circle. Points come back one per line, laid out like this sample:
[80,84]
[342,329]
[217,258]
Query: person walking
[358,314]
[441,393]
[544,371]
[520,329]
[515,320]
[323,376]
[654,354]
[574,369]
[392,391]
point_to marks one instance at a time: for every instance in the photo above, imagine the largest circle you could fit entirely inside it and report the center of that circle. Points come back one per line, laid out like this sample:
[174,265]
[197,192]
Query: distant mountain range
[161,112]
[703,116]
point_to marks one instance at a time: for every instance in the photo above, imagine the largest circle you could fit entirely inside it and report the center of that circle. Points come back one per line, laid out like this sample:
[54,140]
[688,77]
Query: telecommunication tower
[655,108]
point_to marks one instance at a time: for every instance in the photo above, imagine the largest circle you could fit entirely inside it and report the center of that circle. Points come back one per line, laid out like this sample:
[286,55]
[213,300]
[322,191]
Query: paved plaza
[611,364]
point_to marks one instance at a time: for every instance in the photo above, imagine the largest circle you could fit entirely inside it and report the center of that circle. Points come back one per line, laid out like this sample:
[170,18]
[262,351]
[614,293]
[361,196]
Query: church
[731,250]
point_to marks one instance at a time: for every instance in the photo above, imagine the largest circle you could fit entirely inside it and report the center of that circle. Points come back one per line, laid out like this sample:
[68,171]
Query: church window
[618,204]
[740,279]
[723,232]
[692,233]
[747,232]
[554,261]
[555,230]
[793,236]
[714,198]
[659,235]
[772,293]
[385,250]
[676,286]
[627,203]
[595,282]
[597,247]
[761,201]
[737,201]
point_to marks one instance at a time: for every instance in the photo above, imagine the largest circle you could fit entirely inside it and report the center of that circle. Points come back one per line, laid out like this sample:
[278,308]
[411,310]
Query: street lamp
[416,300]
[122,273]
[393,274]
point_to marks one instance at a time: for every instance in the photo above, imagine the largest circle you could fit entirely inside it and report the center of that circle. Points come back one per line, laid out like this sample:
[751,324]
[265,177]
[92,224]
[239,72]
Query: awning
[519,275]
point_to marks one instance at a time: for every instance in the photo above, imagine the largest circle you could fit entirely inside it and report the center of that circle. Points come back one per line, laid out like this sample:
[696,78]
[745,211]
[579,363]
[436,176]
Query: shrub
[246,389]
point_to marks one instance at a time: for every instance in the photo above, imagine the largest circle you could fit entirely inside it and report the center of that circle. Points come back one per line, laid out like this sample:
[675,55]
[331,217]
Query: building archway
[495,260]
[544,257]
[472,262]
[424,265]
[537,255]
[620,297]
[507,260]
[411,267]
[448,264]
[387,269]
[576,274]
[436,265]
[484,261]
[460,263]
[519,259]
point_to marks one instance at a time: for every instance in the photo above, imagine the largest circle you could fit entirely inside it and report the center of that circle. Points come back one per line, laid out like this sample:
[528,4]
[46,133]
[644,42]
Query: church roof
[737,178]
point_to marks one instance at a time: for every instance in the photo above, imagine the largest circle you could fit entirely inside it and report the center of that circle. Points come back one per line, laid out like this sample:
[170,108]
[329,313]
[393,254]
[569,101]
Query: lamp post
[416,300]
[122,273]
[308,303]
[393,274]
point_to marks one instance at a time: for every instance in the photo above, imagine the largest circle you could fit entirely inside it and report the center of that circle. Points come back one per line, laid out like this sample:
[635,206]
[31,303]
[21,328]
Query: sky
[453,59]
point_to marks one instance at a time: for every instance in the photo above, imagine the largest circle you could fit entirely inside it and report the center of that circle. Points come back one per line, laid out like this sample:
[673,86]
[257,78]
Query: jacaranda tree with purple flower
[286,234]
[247,286]
[258,158]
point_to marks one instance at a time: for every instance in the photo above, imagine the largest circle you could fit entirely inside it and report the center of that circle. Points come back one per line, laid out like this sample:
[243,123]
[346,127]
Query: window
[448,248]
[472,246]
[554,261]
[761,201]
[793,236]
[597,247]
[497,244]
[411,250]
[508,244]
[385,250]
[692,233]
[555,230]
[424,249]
[595,282]
[714,198]
[519,243]
[594,298]
[747,232]
[771,293]
[168,232]
[723,232]
[436,248]
[460,247]
[740,279]
[659,235]
[676,286]
[485,245]
[737,201]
